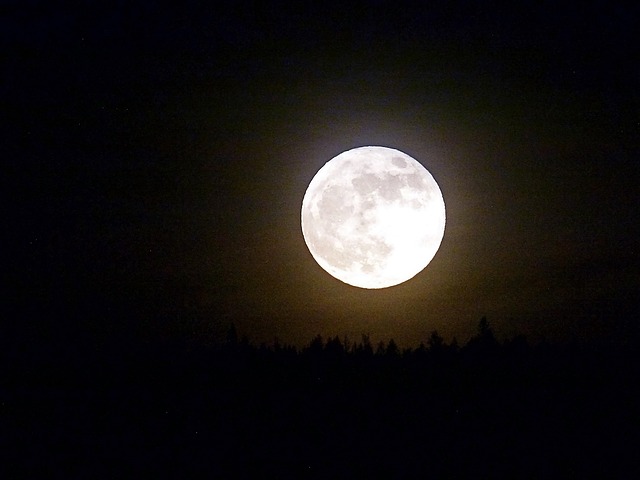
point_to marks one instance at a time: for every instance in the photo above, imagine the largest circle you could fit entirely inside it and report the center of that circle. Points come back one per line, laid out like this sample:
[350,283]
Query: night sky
[156,158]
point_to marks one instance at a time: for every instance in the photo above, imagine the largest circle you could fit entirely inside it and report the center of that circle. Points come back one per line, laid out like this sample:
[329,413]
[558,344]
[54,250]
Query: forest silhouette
[334,408]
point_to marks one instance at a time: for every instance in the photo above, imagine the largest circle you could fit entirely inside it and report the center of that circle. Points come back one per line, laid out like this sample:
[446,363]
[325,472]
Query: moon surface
[373,217]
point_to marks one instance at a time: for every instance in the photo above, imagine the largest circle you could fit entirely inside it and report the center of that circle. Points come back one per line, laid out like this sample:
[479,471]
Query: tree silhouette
[436,343]
[392,348]
[366,348]
[317,345]
[334,347]
[485,330]
[484,340]
[232,336]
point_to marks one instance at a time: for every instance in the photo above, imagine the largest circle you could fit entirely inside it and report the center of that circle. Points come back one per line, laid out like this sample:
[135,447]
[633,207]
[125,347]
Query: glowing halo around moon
[373,217]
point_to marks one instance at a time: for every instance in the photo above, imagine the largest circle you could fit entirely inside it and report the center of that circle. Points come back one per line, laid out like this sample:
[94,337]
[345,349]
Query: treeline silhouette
[334,408]
[483,360]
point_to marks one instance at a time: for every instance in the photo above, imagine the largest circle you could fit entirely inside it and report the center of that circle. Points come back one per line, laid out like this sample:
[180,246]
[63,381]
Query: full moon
[373,217]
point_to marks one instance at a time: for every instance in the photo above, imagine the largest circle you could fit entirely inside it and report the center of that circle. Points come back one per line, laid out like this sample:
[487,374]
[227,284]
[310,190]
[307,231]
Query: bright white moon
[373,217]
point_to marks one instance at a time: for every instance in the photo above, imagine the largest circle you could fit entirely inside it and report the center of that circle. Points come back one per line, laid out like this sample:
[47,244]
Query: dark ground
[488,410]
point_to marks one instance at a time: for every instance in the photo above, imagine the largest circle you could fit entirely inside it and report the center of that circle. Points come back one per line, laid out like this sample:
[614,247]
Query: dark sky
[157,158]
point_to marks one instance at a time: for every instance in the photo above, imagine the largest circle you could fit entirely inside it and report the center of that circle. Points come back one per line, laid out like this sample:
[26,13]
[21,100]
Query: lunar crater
[399,162]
